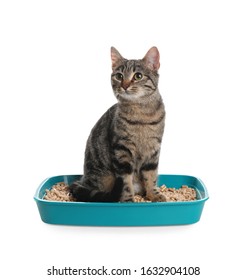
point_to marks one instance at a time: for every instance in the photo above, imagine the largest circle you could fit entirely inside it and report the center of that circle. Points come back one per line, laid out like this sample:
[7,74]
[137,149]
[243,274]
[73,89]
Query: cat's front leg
[124,170]
[128,188]
[149,180]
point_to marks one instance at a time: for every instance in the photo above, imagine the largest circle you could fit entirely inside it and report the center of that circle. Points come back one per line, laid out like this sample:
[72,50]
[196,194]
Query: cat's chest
[143,130]
[146,139]
[142,134]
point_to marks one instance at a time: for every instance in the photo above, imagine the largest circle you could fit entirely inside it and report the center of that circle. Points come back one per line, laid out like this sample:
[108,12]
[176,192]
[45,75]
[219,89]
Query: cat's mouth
[128,92]
[129,95]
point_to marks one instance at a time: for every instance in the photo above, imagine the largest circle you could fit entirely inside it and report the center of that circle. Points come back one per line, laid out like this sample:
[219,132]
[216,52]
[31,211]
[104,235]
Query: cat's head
[134,80]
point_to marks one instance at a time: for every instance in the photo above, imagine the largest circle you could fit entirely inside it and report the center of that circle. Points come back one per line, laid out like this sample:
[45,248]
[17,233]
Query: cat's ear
[115,57]
[152,59]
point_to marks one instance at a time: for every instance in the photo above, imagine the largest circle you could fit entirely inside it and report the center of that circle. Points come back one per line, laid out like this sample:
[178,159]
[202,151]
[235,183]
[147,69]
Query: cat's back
[105,121]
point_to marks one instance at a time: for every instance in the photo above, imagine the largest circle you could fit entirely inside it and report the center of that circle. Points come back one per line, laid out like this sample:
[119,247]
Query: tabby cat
[122,151]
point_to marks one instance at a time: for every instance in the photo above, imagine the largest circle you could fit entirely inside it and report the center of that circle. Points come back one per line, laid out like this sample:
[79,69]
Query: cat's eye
[119,76]
[138,76]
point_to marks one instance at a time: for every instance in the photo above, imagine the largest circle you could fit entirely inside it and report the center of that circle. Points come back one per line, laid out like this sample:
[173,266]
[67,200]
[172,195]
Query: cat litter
[185,193]
[60,192]
[53,192]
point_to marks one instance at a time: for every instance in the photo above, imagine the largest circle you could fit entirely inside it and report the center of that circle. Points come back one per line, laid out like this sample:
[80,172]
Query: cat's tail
[81,193]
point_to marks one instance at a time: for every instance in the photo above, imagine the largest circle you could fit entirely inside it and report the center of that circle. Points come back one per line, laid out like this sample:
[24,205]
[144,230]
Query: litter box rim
[117,204]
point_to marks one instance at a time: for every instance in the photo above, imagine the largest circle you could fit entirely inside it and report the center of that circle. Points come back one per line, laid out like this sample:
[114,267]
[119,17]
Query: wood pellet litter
[60,192]
[185,193]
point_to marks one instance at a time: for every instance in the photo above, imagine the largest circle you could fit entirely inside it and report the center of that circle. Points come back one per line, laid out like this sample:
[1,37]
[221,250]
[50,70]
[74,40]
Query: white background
[55,83]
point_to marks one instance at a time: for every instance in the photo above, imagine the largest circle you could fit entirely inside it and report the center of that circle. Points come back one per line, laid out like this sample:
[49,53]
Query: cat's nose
[125,84]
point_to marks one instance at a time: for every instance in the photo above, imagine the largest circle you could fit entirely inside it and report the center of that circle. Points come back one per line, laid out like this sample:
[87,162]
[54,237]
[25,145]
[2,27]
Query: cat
[123,148]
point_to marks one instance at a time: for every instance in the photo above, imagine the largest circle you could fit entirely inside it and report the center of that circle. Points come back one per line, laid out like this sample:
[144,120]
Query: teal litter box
[123,214]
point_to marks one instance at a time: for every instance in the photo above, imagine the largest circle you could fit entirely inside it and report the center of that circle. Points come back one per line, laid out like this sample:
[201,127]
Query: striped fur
[122,151]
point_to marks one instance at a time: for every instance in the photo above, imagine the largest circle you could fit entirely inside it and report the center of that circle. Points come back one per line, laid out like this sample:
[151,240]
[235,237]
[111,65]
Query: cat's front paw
[156,196]
[128,199]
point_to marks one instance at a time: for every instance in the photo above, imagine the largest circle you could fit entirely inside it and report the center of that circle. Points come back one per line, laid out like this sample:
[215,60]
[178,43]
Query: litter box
[123,214]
